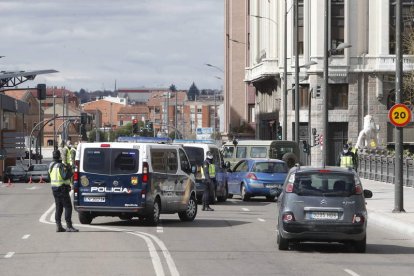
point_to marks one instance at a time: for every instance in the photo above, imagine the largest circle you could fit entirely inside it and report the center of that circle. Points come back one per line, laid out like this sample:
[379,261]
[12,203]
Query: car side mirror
[193,169]
[227,165]
[367,194]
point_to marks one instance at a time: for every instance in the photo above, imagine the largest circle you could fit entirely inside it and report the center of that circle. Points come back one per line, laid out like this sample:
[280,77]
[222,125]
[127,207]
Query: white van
[133,179]
[196,151]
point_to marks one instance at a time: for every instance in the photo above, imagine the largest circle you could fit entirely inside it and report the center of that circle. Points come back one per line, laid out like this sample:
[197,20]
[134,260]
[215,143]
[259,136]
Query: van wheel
[84,218]
[154,217]
[125,217]
[244,196]
[190,213]
[283,243]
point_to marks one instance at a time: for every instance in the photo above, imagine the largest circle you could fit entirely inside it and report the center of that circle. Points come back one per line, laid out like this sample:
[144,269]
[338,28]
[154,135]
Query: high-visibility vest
[211,171]
[56,179]
[67,157]
[346,161]
[72,156]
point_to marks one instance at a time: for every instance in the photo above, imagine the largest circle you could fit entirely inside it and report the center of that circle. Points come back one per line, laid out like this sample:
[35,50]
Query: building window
[199,110]
[252,117]
[300,27]
[338,96]
[337,25]
[303,97]
[407,26]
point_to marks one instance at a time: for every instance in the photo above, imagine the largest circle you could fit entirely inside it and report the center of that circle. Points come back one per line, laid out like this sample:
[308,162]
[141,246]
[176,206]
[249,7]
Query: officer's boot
[59,227]
[208,208]
[71,228]
[204,206]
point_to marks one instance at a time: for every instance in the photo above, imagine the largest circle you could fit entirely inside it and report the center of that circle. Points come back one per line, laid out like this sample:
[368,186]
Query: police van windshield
[110,161]
[195,155]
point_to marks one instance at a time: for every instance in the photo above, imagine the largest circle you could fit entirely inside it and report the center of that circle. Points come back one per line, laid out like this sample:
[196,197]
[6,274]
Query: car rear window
[38,168]
[110,161]
[270,167]
[324,184]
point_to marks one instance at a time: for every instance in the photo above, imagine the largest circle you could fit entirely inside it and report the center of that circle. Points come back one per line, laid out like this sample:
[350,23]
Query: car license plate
[272,186]
[324,215]
[94,199]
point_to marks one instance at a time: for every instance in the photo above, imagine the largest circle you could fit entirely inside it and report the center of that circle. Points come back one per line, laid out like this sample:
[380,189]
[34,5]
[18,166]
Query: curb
[383,221]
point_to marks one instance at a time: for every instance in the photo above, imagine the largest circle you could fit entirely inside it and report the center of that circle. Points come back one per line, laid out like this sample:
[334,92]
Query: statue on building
[368,136]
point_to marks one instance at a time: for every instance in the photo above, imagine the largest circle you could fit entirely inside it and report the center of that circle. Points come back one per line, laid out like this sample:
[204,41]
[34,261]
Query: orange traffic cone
[9,184]
[41,180]
[30,180]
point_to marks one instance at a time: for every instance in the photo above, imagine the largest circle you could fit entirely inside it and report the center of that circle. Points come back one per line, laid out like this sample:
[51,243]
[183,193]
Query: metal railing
[382,168]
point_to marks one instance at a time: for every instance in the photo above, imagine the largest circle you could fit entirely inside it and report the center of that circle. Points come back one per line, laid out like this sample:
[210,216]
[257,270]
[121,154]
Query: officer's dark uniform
[61,189]
[208,181]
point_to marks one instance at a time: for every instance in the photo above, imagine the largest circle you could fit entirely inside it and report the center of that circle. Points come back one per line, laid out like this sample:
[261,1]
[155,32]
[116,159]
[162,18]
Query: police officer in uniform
[66,153]
[61,189]
[347,158]
[208,174]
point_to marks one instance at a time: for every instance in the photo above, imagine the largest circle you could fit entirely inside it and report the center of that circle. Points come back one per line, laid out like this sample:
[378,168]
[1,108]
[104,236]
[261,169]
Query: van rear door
[109,178]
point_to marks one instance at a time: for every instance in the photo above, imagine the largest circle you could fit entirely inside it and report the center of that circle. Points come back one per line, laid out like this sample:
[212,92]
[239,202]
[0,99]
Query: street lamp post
[296,38]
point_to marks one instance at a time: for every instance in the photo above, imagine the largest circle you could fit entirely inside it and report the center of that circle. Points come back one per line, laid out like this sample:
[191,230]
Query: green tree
[193,92]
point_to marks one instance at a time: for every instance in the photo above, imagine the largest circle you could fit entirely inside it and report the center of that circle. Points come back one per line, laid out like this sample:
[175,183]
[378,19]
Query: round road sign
[399,115]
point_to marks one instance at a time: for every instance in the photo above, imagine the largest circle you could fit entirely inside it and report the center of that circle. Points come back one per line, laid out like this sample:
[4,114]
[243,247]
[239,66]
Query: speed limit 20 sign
[399,115]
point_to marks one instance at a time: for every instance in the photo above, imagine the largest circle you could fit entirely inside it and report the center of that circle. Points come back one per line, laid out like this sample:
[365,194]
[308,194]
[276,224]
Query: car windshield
[17,170]
[324,184]
[270,167]
[38,168]
[195,155]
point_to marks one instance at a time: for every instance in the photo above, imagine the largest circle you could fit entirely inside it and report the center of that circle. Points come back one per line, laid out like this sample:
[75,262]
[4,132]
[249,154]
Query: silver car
[322,205]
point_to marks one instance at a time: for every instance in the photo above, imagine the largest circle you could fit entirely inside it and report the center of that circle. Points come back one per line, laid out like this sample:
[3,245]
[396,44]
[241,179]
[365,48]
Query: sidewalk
[382,203]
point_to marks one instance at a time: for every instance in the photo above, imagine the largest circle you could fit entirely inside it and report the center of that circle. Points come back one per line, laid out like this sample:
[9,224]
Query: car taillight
[251,176]
[358,219]
[288,217]
[289,188]
[145,172]
[358,189]
[76,175]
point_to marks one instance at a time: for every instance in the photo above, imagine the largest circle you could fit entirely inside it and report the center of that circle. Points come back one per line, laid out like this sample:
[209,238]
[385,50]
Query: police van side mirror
[193,169]
[227,165]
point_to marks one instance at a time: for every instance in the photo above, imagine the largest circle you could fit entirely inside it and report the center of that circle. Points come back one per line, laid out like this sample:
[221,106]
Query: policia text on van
[133,180]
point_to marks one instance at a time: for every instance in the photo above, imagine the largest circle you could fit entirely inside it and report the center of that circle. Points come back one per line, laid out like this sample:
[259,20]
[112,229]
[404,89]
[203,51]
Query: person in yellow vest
[66,155]
[208,174]
[347,158]
[60,182]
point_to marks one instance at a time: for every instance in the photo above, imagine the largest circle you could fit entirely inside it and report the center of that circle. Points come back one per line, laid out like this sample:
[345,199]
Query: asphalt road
[239,238]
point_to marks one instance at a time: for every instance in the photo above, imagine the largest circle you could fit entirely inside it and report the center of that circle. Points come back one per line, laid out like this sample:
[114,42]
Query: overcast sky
[93,43]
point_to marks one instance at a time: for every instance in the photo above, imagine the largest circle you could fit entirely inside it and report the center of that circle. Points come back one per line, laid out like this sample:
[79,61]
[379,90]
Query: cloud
[93,43]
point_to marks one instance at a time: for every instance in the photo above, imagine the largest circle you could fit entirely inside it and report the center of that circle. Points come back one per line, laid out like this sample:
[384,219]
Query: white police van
[196,151]
[139,178]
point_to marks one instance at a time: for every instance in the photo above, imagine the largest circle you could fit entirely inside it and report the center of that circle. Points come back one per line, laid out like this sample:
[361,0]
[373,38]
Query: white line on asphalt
[25,237]
[160,229]
[350,272]
[260,219]
[9,255]
[245,209]
[32,188]
[156,261]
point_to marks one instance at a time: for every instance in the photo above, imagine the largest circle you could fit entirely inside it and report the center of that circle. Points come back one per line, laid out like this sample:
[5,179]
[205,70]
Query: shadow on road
[385,249]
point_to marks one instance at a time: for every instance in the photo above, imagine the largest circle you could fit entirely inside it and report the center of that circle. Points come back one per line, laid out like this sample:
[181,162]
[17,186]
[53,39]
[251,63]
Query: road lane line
[156,261]
[245,209]
[160,229]
[25,237]
[9,255]
[350,272]
[260,219]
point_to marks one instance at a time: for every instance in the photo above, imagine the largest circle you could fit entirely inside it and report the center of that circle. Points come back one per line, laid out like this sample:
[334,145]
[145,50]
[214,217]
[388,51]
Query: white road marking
[9,255]
[33,188]
[260,219]
[350,272]
[160,229]
[245,209]
[155,258]
[25,237]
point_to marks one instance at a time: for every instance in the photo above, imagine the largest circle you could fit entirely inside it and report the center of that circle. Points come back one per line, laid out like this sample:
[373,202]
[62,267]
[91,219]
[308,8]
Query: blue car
[257,177]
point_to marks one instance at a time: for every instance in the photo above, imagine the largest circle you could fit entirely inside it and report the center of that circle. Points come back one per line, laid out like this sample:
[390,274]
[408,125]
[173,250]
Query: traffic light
[278,131]
[41,91]
[150,126]
[315,137]
[84,118]
[135,129]
[306,147]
